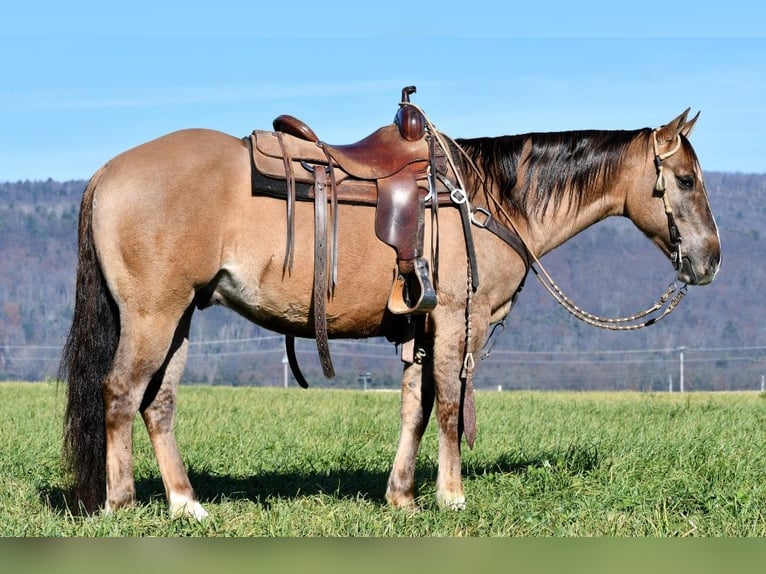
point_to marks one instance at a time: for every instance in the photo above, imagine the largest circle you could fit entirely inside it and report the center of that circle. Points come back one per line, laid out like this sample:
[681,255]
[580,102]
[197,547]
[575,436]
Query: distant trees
[610,269]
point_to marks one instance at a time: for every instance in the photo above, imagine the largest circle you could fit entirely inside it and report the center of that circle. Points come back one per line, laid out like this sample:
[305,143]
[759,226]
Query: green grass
[274,462]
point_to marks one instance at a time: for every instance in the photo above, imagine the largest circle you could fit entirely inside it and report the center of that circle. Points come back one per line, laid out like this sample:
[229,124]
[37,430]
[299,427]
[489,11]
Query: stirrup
[412,292]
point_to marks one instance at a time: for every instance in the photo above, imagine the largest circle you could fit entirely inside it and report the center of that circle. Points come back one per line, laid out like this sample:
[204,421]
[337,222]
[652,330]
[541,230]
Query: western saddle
[398,169]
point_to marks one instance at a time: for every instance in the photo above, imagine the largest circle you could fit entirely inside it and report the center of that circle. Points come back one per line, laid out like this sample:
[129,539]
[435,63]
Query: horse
[173,225]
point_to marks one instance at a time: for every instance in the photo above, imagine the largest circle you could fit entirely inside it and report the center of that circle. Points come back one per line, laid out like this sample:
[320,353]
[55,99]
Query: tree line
[610,269]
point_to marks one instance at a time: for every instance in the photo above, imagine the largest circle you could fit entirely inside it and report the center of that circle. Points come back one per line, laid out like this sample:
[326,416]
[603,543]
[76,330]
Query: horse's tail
[86,360]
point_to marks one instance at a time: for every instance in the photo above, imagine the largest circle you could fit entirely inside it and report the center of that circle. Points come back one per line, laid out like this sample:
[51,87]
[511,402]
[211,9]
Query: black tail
[86,361]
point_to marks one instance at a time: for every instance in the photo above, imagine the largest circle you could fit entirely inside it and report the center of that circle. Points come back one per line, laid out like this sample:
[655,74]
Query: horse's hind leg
[144,343]
[158,411]
[417,403]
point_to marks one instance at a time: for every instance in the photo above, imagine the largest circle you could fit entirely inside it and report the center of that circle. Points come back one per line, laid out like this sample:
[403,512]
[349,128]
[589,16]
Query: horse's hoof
[180,506]
[113,504]
[454,501]
[401,501]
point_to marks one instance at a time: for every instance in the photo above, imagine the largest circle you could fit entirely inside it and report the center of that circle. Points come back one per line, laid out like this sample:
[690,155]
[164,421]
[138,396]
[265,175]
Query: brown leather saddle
[394,169]
[388,169]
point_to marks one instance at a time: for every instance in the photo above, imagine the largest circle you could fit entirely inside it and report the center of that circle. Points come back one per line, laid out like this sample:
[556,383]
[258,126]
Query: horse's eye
[686,181]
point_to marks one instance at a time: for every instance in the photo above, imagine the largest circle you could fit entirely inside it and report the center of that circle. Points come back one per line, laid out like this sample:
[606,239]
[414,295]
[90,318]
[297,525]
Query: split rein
[615,323]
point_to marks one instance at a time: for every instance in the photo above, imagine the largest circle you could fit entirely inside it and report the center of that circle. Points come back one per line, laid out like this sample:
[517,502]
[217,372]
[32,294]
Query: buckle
[458,196]
[481,223]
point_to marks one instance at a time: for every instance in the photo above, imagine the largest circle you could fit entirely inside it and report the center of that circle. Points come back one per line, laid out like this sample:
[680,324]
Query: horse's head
[677,216]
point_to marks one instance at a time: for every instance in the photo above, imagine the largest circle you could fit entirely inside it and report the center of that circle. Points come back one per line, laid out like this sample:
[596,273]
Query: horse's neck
[567,212]
[551,228]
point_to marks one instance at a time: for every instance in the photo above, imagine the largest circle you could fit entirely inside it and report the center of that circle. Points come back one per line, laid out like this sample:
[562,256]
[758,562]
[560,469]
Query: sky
[82,81]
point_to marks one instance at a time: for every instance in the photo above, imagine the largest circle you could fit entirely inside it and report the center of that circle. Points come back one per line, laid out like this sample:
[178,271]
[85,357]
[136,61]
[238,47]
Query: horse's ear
[687,128]
[669,131]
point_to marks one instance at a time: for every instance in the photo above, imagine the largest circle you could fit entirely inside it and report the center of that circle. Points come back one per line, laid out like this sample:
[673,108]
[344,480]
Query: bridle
[660,190]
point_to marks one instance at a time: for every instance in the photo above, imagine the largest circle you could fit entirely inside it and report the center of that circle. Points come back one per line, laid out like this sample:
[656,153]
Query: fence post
[681,370]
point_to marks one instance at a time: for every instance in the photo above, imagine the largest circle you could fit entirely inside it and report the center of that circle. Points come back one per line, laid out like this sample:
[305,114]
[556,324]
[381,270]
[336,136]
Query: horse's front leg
[448,359]
[449,485]
[417,404]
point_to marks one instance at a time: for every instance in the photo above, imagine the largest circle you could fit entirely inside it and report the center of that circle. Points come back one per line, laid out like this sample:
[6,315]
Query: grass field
[275,463]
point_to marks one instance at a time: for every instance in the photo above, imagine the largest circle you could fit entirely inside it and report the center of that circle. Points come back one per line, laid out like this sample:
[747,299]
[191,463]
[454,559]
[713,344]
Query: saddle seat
[378,156]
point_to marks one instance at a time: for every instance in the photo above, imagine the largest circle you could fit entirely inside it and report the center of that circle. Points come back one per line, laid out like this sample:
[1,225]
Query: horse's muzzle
[702,273]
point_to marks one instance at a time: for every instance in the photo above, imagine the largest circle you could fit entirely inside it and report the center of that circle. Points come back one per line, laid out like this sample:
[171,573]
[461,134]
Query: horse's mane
[573,166]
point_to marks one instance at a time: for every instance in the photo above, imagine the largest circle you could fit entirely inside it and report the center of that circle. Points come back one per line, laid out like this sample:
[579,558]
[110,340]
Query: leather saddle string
[334,212]
[288,264]
[334,215]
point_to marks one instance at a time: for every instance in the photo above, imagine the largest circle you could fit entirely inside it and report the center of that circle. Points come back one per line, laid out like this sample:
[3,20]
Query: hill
[609,269]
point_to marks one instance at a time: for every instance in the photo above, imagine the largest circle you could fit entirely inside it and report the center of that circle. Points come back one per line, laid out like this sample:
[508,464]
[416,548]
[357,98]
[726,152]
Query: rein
[669,300]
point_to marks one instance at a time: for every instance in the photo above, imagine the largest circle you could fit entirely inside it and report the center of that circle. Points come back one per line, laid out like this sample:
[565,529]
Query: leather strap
[486,221]
[290,191]
[320,270]
[334,212]
[434,193]
[465,216]
[292,360]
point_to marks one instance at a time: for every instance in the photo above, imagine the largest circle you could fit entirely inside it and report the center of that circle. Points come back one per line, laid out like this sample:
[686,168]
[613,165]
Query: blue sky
[83,81]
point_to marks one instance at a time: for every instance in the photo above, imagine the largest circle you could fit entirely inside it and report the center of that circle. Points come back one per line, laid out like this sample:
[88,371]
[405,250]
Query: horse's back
[182,161]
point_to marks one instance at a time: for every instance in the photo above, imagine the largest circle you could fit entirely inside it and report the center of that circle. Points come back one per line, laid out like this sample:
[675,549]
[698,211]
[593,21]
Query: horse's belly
[286,305]
[258,284]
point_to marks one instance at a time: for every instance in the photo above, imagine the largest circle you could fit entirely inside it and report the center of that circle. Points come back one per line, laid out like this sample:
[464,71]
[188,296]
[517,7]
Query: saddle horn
[407,91]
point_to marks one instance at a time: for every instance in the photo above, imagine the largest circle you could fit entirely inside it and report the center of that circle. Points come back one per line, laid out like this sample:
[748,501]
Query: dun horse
[175,224]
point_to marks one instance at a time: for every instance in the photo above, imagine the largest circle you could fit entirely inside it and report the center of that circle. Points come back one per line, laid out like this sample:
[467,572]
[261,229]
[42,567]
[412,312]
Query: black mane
[572,165]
